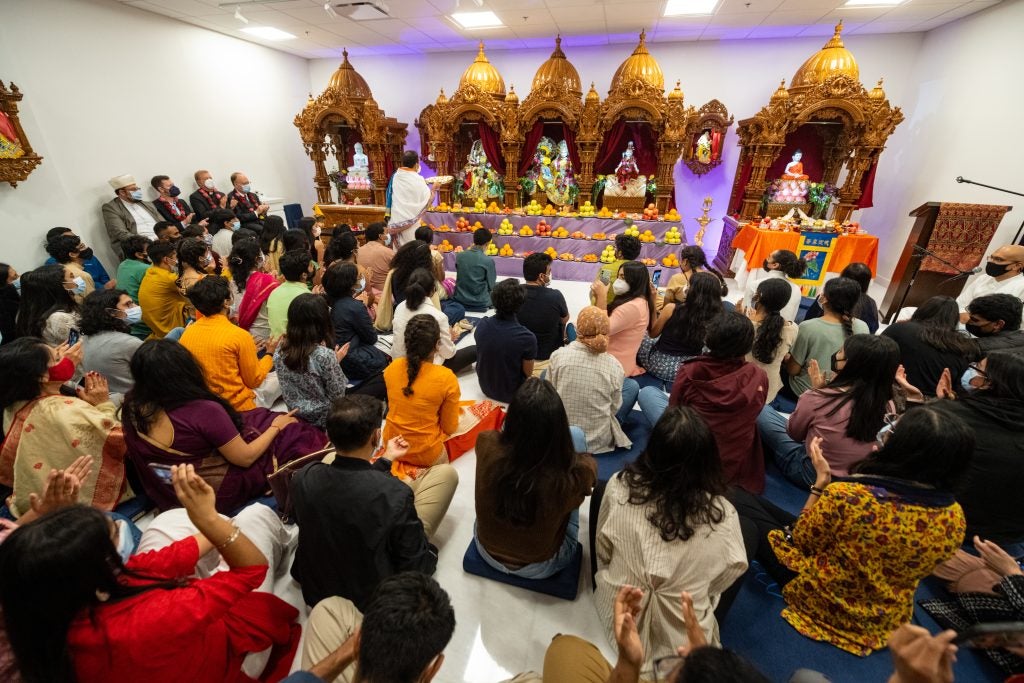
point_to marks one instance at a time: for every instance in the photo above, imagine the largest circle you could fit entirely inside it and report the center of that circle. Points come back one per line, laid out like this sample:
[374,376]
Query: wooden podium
[958,233]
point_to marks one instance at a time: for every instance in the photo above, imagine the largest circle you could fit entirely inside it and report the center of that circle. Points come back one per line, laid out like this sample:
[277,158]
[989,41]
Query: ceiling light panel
[471,20]
[268,33]
[678,8]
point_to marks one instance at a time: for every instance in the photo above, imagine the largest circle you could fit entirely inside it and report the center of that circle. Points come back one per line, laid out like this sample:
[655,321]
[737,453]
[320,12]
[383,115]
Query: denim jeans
[175,334]
[547,568]
[630,391]
[789,455]
[653,403]
[454,310]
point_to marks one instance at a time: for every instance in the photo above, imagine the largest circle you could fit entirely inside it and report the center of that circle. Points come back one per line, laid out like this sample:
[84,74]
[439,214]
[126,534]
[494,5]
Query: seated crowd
[156,388]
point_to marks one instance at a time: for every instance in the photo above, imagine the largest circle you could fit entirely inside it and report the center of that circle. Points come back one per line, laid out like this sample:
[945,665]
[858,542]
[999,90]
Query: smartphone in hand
[73,336]
[162,472]
[656,277]
[605,276]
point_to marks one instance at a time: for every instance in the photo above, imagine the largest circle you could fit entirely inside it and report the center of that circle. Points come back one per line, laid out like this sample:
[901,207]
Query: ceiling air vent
[363,11]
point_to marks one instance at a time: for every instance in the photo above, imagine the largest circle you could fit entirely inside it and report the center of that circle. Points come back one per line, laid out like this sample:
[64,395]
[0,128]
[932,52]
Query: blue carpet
[754,628]
[638,430]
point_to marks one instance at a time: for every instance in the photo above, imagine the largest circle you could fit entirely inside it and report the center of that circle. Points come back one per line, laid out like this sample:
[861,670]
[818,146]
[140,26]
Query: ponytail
[842,295]
[418,288]
[772,296]
[721,280]
[421,336]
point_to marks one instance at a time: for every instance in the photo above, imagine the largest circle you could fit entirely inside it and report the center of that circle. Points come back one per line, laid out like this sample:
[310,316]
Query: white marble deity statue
[795,169]
[360,163]
[794,183]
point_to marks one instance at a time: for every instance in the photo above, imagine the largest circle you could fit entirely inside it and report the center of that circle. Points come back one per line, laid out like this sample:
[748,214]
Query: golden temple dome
[781,93]
[441,99]
[877,93]
[676,94]
[348,82]
[592,95]
[512,96]
[640,65]
[832,59]
[559,71]
[483,75]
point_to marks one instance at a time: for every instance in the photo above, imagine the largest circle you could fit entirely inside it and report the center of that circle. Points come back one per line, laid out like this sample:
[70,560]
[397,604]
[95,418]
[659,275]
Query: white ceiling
[418,26]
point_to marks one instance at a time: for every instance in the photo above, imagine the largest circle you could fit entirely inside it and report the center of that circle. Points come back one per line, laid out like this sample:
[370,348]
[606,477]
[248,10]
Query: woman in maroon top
[74,611]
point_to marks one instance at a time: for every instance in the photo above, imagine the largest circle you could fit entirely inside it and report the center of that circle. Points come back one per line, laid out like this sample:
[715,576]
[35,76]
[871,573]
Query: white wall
[963,119]
[110,89]
[742,74]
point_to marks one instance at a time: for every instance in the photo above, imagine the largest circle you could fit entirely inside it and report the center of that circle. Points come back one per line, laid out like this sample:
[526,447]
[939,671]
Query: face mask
[86,254]
[62,371]
[206,260]
[247,188]
[977,331]
[79,285]
[125,542]
[208,238]
[208,184]
[234,226]
[136,195]
[362,285]
[965,380]
[133,315]
[387,239]
[620,287]
[315,232]
[836,361]
[174,191]
[17,285]
[996,269]
[883,434]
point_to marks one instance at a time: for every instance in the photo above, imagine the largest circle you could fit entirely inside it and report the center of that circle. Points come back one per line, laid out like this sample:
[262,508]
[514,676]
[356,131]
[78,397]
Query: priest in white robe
[410,198]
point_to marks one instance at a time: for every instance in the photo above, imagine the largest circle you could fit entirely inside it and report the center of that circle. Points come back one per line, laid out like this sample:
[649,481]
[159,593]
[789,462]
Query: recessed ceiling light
[676,8]
[873,3]
[268,33]
[487,19]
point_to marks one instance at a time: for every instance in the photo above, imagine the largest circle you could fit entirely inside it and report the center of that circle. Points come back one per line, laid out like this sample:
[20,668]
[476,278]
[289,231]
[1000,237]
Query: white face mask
[362,285]
[620,287]
[316,232]
[208,184]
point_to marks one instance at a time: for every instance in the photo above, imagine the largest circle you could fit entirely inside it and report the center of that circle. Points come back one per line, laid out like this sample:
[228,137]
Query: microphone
[975,271]
[959,178]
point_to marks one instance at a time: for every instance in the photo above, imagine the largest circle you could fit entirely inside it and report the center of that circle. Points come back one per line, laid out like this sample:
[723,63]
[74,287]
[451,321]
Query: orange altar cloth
[757,244]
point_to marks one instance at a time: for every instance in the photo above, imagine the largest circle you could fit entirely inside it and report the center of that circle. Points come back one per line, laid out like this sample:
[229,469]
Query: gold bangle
[231,539]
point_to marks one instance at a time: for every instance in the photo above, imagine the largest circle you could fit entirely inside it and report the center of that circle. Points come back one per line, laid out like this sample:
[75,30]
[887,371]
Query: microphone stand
[1020,230]
[920,252]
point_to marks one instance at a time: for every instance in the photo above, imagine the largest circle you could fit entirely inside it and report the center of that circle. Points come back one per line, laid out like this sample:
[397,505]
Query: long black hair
[841,297]
[539,454]
[23,363]
[166,377]
[243,261]
[53,569]
[1004,372]
[772,296]
[680,473]
[929,444]
[866,381]
[639,281]
[42,294]
[939,317]
[421,336]
[408,258]
[341,248]
[309,326]
[689,321]
[273,230]
[191,252]
[418,288]
[789,264]
[695,257]
[95,315]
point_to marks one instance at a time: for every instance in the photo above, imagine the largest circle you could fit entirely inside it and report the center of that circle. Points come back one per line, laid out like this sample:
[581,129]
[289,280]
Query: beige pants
[573,660]
[539,366]
[432,493]
[330,624]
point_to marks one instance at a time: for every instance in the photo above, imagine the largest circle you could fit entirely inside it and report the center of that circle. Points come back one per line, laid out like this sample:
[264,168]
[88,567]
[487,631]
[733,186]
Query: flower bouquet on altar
[820,195]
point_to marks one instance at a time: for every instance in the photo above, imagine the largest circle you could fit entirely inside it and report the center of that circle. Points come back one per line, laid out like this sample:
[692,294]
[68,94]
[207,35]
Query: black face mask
[978,332]
[835,362]
[85,254]
[174,191]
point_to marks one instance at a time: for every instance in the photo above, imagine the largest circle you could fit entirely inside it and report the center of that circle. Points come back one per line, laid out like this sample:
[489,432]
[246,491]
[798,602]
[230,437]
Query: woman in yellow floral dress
[851,562]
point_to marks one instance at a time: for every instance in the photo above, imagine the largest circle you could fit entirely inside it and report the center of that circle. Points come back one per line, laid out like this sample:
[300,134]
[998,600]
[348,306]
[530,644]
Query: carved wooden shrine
[17,160]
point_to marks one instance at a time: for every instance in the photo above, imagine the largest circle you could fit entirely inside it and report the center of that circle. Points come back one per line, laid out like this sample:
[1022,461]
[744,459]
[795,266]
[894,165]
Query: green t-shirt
[819,339]
[279,301]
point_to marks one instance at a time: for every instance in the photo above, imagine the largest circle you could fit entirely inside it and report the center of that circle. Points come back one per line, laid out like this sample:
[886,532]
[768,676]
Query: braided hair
[841,296]
[422,333]
[772,296]
[695,257]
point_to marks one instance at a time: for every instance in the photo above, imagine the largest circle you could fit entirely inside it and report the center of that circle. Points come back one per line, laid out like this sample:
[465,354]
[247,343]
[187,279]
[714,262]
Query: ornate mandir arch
[344,111]
[825,89]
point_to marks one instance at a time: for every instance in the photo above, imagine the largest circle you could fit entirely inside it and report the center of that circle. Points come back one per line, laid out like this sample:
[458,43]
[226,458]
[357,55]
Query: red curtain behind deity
[645,147]
[530,146]
[807,140]
[610,152]
[492,147]
[867,188]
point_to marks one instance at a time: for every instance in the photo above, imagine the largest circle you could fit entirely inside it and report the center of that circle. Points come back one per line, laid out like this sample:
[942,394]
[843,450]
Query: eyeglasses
[886,431]
[977,369]
[664,666]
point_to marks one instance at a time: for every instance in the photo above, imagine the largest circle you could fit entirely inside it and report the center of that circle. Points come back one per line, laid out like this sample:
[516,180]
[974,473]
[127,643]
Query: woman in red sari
[75,611]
